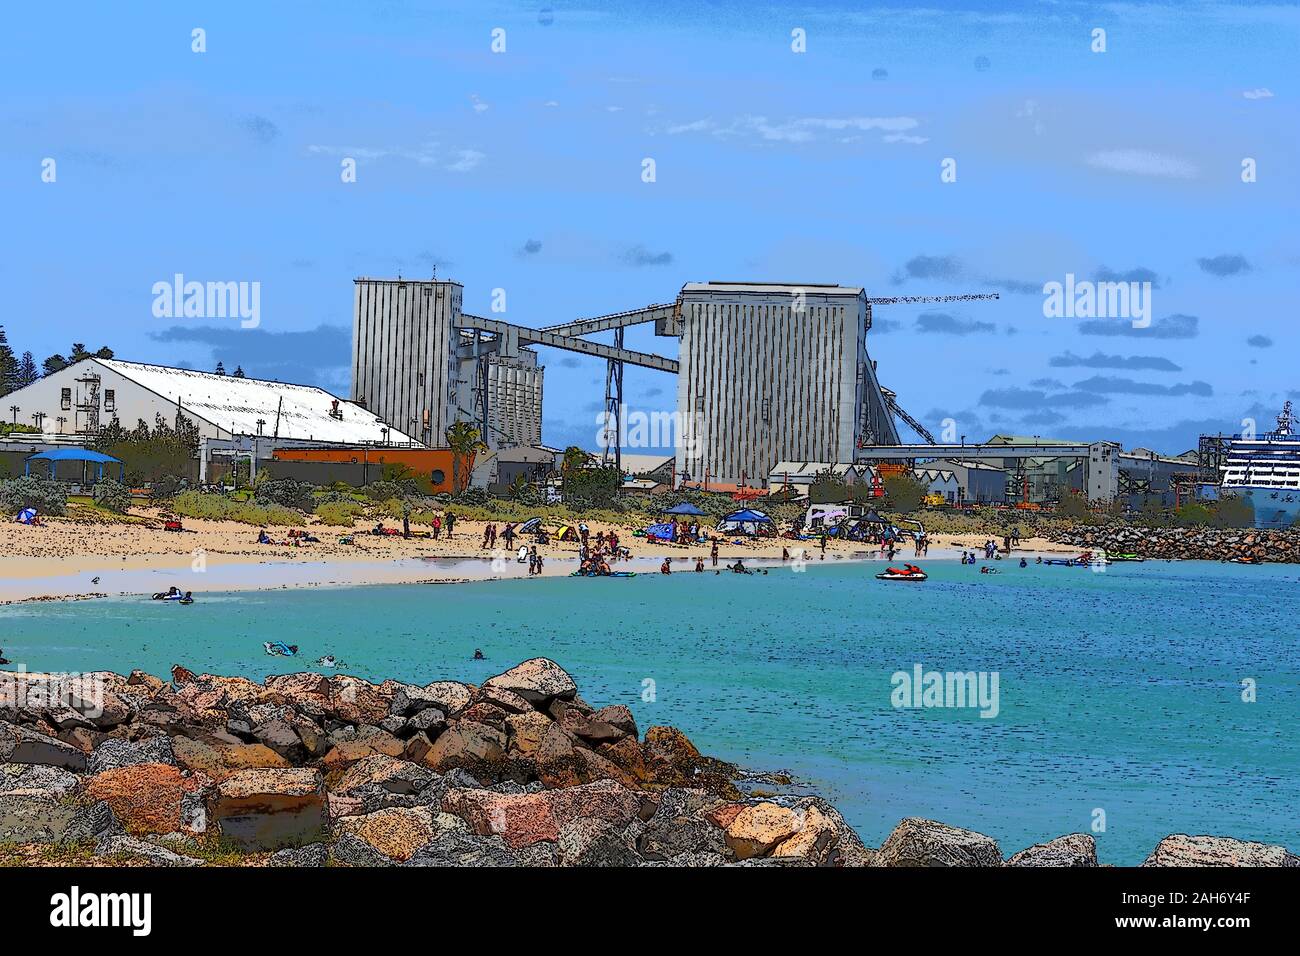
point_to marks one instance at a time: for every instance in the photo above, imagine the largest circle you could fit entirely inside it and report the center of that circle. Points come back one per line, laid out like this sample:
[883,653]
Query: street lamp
[15,409]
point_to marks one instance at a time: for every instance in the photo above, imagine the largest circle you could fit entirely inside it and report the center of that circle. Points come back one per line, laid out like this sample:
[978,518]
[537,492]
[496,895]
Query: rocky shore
[1198,544]
[309,770]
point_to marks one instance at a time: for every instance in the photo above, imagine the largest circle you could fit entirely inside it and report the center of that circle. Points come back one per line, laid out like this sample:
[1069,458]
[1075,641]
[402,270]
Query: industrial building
[418,364]
[797,477]
[773,373]
[77,401]
[939,482]
[977,482]
[235,417]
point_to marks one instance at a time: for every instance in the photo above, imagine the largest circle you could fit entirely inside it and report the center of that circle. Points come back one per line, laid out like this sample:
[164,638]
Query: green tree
[572,459]
[829,488]
[27,370]
[150,454]
[465,443]
[8,365]
[903,493]
[592,487]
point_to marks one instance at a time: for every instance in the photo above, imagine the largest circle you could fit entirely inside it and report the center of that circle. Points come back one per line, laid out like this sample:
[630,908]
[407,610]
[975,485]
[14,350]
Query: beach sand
[63,558]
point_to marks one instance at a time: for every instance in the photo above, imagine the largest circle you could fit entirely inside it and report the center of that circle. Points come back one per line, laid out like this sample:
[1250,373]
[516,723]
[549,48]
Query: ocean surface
[1119,692]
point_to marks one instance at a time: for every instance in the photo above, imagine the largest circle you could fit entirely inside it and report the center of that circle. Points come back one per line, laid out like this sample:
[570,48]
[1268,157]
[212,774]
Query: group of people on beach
[295,539]
[595,555]
[533,558]
[737,568]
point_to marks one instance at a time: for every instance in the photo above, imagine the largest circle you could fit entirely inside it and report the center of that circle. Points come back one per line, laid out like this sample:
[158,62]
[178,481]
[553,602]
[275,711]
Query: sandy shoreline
[70,559]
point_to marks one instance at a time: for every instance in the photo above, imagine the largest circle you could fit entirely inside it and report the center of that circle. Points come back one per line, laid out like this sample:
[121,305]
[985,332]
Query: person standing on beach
[451,523]
[714,552]
[509,535]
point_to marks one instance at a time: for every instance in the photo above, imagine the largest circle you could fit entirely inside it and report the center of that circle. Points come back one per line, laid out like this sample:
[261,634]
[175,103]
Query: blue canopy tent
[83,455]
[685,508]
[747,521]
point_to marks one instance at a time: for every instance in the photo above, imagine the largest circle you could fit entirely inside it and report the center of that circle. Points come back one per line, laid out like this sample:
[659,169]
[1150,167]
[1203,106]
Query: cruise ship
[1265,471]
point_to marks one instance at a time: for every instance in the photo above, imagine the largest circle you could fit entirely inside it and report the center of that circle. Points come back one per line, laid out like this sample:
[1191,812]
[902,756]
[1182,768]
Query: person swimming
[739,567]
[1024,563]
[3,659]
[188,598]
[327,661]
[478,654]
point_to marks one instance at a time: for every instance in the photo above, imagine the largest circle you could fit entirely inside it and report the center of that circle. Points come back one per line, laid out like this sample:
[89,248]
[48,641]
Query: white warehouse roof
[236,404]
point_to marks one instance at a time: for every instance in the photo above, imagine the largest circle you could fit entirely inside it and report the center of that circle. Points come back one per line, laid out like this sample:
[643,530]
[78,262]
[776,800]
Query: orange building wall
[429,464]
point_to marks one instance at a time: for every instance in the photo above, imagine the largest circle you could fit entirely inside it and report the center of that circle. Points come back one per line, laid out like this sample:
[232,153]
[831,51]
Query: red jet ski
[908,572]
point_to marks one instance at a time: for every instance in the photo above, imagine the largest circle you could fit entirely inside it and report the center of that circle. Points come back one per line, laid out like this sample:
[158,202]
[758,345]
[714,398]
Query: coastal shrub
[253,513]
[214,507]
[46,495]
[1074,506]
[1234,512]
[1193,515]
[286,492]
[472,497]
[111,495]
[201,504]
[385,490]
[592,487]
[166,487]
[346,494]
[339,513]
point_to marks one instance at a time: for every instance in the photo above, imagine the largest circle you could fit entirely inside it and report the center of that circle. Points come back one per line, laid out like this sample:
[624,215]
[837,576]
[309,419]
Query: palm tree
[465,442]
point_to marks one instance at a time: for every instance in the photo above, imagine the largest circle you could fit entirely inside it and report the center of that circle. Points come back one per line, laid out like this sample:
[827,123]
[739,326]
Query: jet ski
[908,572]
[280,649]
[1125,557]
[612,574]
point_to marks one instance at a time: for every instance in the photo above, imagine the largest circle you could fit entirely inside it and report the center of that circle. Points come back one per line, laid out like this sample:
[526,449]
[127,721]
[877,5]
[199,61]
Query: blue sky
[522,171]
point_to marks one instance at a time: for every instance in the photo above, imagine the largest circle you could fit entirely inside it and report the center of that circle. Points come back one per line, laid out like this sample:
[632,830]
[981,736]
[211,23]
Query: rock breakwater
[309,770]
[1201,544]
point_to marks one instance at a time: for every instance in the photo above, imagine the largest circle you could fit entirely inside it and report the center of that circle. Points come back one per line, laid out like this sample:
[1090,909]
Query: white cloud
[698,126]
[805,129]
[479,105]
[466,160]
[427,154]
[1259,93]
[905,138]
[1140,162]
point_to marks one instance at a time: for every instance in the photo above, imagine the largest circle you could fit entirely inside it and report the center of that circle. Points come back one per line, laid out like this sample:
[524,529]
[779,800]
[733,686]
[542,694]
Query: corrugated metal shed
[236,404]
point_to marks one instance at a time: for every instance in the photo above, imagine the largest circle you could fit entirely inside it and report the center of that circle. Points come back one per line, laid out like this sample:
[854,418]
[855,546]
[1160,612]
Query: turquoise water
[1119,691]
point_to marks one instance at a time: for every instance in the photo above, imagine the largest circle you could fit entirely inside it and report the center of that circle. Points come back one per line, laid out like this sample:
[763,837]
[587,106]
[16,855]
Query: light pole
[15,409]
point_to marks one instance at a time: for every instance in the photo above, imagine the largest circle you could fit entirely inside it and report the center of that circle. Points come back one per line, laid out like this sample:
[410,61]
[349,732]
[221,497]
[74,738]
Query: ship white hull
[1274,507]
